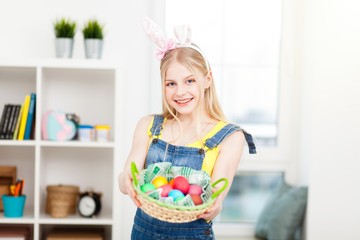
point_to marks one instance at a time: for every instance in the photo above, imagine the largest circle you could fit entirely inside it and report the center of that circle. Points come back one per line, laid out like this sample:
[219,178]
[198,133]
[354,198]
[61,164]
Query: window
[242,42]
[248,195]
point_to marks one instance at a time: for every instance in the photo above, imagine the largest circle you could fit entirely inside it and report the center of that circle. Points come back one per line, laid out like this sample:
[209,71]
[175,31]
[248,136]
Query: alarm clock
[89,204]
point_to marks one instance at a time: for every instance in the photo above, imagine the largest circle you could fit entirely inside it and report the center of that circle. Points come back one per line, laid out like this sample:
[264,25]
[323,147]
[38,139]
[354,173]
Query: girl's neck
[189,129]
[192,120]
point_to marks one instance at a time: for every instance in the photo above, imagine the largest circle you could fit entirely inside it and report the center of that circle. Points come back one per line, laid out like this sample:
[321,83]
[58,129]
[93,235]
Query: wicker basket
[173,213]
[61,200]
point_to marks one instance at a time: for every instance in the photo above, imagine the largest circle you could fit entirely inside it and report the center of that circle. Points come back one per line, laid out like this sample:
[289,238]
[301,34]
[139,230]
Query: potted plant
[93,37]
[64,32]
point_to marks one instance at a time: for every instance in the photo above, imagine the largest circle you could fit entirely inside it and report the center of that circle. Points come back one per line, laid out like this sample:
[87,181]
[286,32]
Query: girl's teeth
[183,101]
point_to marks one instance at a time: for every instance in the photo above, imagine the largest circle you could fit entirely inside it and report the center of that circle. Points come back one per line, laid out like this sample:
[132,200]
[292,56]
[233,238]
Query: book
[3,117]
[6,121]
[30,118]
[24,118]
[11,120]
[16,117]
[17,127]
[32,136]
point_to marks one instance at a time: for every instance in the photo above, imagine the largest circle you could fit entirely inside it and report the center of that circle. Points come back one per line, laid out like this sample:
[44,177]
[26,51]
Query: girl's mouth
[183,101]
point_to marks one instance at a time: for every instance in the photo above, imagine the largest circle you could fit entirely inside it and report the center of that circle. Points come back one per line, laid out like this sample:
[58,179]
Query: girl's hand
[212,212]
[129,188]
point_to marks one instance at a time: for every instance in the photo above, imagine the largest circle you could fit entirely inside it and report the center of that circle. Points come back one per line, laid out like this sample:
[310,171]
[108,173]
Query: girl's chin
[184,110]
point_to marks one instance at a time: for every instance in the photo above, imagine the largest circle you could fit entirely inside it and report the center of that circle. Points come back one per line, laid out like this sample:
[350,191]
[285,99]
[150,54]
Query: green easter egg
[147,187]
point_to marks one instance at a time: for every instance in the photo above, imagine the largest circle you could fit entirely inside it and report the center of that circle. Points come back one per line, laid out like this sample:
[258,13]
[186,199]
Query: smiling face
[188,85]
[184,91]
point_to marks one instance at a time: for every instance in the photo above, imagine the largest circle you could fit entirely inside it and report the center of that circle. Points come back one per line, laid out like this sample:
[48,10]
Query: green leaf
[93,29]
[64,28]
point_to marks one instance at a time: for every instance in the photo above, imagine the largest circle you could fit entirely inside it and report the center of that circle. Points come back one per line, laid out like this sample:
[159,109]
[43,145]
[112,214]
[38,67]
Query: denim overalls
[148,228]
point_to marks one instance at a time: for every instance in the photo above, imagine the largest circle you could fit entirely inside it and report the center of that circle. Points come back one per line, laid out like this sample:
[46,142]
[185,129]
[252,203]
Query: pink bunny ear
[183,34]
[154,32]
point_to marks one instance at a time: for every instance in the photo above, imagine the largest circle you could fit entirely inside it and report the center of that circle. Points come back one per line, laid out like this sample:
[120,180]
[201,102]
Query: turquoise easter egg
[176,195]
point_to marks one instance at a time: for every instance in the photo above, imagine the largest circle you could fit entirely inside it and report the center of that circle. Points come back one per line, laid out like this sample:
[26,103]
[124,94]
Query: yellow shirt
[210,154]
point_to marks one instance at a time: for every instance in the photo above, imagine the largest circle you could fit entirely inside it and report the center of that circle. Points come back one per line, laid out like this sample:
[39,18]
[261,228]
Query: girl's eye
[169,84]
[190,81]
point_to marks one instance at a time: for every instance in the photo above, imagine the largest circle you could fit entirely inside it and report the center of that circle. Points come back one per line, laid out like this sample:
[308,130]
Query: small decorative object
[13,205]
[14,202]
[89,204]
[102,133]
[64,31]
[61,200]
[58,126]
[93,37]
[86,133]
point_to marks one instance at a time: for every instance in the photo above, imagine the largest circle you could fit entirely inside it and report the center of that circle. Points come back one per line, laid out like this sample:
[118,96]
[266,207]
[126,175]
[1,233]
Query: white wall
[26,32]
[331,118]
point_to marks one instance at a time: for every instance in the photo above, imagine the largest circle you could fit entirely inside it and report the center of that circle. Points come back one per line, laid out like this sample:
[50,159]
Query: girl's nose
[181,90]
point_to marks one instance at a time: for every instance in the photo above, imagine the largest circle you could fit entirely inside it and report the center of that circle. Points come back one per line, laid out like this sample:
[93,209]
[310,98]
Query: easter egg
[166,189]
[159,181]
[171,182]
[176,195]
[195,189]
[147,187]
[181,184]
[196,199]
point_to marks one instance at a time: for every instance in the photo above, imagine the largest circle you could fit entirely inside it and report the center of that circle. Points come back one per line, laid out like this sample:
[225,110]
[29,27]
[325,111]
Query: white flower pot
[93,48]
[64,47]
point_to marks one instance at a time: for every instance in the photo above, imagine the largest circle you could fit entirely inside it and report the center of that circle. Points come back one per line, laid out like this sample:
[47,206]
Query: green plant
[64,28]
[92,29]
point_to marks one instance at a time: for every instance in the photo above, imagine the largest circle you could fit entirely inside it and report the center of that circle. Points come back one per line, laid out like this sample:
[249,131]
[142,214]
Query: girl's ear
[208,79]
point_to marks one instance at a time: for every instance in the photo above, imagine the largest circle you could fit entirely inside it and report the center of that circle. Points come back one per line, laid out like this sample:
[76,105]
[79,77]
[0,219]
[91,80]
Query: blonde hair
[192,60]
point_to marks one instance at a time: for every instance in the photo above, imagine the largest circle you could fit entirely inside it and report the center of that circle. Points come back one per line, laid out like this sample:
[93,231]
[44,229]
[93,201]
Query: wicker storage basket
[172,213]
[61,200]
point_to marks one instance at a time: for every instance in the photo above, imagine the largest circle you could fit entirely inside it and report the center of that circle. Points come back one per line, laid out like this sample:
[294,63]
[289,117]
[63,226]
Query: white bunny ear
[154,32]
[183,34]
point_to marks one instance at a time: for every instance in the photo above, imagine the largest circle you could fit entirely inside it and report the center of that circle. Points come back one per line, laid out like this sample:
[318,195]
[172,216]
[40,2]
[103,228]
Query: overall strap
[157,125]
[250,142]
[227,130]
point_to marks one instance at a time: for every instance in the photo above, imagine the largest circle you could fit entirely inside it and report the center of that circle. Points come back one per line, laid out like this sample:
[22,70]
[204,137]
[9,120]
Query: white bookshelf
[87,88]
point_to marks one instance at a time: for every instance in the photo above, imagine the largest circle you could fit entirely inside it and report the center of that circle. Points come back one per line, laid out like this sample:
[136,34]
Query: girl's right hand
[137,155]
[128,187]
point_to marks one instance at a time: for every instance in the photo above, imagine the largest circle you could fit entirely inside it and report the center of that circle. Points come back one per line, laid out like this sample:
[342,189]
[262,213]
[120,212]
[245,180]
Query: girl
[192,131]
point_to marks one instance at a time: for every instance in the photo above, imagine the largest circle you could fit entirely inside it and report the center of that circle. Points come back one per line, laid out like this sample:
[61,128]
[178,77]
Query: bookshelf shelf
[77,144]
[87,88]
[17,143]
[28,217]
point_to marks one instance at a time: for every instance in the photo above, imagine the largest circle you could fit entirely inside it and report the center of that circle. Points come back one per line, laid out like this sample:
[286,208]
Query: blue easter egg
[176,195]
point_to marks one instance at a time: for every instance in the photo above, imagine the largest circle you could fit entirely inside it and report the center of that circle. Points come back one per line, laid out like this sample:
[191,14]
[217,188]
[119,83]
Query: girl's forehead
[177,70]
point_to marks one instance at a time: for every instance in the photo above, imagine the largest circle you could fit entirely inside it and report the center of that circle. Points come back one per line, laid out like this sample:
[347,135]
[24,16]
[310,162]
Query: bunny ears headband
[182,35]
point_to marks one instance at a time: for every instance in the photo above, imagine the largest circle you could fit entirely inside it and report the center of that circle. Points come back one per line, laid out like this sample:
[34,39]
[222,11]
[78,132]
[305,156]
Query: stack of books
[18,121]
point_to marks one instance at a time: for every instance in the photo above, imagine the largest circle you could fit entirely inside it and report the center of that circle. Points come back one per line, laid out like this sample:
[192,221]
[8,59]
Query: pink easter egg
[195,189]
[165,190]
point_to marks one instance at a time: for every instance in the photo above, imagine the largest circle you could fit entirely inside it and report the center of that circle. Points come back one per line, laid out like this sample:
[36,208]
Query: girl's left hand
[212,212]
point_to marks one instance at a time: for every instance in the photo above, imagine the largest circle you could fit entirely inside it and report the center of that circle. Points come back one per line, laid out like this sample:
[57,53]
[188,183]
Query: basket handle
[134,171]
[217,193]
